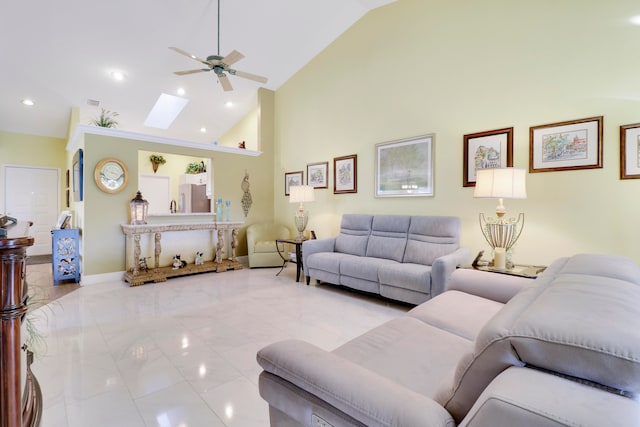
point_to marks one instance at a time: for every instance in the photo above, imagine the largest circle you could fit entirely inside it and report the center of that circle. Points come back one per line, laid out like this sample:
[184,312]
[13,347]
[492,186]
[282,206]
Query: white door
[32,194]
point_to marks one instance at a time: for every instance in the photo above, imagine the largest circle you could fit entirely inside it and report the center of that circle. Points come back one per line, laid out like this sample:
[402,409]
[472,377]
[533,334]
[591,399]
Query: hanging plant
[156,160]
[106,119]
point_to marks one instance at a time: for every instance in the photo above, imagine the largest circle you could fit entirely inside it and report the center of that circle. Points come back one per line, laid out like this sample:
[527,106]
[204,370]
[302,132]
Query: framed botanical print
[486,150]
[317,174]
[345,174]
[291,179]
[570,145]
[405,167]
[630,151]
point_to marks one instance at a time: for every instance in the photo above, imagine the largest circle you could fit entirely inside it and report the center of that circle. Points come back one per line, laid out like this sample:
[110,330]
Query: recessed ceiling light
[203,130]
[117,75]
[181,91]
[635,20]
[228,104]
[28,102]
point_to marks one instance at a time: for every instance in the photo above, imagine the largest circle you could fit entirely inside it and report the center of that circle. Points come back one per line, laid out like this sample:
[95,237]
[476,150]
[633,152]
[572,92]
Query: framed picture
[292,178]
[405,167]
[486,150]
[630,151]
[317,174]
[575,144]
[345,174]
[77,175]
[68,181]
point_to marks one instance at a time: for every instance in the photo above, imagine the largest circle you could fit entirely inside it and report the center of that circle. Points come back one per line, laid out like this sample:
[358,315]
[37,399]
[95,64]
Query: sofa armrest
[341,383]
[314,246]
[444,266]
[487,284]
[548,400]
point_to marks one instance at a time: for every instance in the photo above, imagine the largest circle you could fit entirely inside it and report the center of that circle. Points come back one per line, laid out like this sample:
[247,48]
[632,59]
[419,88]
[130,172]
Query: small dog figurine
[199,258]
[142,264]
[178,263]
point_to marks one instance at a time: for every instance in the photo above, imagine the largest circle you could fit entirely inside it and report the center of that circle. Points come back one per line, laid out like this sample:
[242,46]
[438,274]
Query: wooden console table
[14,412]
[135,276]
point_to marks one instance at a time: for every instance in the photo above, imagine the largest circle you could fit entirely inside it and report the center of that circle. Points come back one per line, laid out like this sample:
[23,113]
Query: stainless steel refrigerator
[193,198]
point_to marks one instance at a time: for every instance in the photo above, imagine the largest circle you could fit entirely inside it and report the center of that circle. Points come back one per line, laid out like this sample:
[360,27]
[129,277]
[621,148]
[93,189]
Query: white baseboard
[101,278]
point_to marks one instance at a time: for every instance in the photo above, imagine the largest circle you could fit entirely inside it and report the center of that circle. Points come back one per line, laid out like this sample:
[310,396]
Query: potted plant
[156,160]
[106,119]
[193,168]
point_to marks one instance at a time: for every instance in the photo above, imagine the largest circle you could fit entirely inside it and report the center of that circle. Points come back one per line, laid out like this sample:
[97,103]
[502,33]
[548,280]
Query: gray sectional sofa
[401,257]
[564,351]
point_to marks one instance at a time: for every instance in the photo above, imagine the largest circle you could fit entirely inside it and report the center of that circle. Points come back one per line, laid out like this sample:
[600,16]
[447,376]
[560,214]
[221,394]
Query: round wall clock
[111,175]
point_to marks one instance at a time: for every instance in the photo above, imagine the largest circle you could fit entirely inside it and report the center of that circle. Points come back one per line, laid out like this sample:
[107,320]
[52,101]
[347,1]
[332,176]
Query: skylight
[165,111]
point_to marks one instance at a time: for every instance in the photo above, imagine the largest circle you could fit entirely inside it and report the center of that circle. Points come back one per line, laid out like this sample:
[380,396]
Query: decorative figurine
[199,258]
[142,264]
[178,263]
[241,145]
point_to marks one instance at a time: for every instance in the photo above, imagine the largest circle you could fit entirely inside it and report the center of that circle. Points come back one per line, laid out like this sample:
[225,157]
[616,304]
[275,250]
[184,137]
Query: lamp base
[301,219]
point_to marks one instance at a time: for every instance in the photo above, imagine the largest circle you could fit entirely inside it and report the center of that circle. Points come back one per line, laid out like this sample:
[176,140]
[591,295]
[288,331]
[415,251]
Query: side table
[298,261]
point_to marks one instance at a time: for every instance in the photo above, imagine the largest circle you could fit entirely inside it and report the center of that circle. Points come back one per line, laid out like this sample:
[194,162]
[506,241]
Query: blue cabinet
[66,256]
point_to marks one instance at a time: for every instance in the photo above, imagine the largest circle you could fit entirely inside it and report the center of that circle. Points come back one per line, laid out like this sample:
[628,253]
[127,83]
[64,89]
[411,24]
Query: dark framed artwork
[68,200]
[292,178]
[317,174]
[345,174]
[630,151]
[570,145]
[486,150]
[404,168]
[67,180]
[77,175]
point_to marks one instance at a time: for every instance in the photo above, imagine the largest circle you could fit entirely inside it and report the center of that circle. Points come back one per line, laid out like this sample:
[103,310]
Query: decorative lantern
[139,208]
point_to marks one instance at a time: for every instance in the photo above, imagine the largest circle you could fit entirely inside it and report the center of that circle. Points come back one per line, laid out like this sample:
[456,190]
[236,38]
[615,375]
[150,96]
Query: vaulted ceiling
[61,55]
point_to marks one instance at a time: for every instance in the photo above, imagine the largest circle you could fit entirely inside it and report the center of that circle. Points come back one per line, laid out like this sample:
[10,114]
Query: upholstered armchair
[261,244]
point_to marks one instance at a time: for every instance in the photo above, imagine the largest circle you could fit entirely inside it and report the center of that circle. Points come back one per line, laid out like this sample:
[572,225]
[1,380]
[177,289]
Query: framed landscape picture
[317,174]
[345,174]
[290,179]
[575,144]
[404,168]
[630,151]
[486,150]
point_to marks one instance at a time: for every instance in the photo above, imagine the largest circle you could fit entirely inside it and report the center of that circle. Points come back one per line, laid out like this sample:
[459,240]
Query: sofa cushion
[326,261]
[354,234]
[366,268]
[431,237]
[470,315]
[388,236]
[407,351]
[416,277]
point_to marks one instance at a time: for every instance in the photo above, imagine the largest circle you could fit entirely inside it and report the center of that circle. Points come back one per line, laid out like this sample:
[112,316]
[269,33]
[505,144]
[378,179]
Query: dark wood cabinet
[14,410]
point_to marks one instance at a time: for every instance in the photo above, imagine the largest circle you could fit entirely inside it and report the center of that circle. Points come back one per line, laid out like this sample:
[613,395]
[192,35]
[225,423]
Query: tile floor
[182,353]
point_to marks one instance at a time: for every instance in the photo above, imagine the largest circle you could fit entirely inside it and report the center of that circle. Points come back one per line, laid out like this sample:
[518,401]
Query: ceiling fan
[219,64]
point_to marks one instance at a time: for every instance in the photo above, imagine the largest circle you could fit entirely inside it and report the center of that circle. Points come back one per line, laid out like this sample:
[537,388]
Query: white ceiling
[60,54]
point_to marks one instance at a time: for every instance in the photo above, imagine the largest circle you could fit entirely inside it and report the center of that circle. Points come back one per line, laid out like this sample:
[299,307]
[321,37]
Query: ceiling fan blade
[232,58]
[185,53]
[185,72]
[224,82]
[248,76]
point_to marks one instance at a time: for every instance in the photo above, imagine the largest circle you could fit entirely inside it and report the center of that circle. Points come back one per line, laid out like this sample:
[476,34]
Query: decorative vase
[155,166]
[219,210]
[227,210]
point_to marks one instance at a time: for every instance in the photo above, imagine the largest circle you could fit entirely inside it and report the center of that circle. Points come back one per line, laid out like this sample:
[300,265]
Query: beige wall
[32,150]
[423,66]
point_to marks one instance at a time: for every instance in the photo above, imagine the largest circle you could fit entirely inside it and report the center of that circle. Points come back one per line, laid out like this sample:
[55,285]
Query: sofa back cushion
[579,319]
[431,237]
[354,234]
[388,237]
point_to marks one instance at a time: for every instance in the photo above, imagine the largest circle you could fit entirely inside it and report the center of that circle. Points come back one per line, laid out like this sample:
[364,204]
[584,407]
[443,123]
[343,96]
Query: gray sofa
[402,257]
[564,351]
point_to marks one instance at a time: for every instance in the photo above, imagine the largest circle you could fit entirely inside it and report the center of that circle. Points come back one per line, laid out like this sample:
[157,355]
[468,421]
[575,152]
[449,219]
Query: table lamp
[501,233]
[301,194]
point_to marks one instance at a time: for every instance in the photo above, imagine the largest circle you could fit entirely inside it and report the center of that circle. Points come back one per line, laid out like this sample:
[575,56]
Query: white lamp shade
[501,183]
[301,193]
